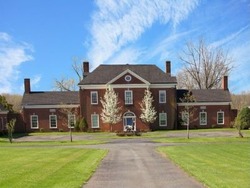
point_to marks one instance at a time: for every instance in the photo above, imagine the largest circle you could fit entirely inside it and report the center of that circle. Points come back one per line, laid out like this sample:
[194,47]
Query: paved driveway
[135,163]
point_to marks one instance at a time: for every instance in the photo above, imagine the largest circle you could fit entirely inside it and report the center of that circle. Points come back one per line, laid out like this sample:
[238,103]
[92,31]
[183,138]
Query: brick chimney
[26,85]
[86,67]
[224,82]
[168,68]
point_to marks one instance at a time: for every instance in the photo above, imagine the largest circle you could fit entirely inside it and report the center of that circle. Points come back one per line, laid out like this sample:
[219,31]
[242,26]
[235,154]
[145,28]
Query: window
[53,121]
[220,118]
[185,118]
[162,96]
[34,121]
[128,97]
[95,121]
[163,119]
[94,97]
[71,121]
[203,118]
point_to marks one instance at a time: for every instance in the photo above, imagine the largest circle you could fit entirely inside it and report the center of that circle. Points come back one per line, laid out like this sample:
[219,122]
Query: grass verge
[47,167]
[222,164]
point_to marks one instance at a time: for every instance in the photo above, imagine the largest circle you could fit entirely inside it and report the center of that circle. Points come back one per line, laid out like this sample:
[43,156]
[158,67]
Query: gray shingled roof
[105,73]
[207,95]
[51,98]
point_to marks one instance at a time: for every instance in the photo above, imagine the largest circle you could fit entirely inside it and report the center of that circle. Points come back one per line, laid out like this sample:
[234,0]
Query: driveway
[134,163]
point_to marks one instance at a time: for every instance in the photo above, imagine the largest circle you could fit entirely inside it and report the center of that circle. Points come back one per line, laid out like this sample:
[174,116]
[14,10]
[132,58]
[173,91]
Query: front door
[129,121]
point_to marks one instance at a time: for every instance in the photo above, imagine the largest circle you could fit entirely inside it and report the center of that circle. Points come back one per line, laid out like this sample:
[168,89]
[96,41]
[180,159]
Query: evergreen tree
[242,120]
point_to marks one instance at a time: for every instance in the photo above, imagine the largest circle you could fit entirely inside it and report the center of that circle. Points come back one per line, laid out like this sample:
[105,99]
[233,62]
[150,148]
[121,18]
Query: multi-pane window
[94,120]
[128,97]
[71,121]
[203,118]
[185,118]
[94,97]
[34,121]
[220,118]
[53,121]
[162,96]
[163,119]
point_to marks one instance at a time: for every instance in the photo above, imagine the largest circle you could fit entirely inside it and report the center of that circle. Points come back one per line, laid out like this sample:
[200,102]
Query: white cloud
[12,55]
[118,23]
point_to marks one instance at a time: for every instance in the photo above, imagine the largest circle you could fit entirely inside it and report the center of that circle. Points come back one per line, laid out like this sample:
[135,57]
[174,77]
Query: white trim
[51,106]
[166,119]
[130,72]
[94,92]
[36,122]
[4,112]
[204,104]
[104,86]
[50,121]
[222,119]
[165,96]
[205,118]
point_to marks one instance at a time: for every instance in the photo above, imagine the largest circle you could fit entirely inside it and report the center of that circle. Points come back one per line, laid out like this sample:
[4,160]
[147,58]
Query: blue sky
[38,39]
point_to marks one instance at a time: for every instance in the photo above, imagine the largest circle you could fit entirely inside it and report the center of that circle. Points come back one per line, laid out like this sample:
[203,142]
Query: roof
[206,95]
[51,98]
[104,73]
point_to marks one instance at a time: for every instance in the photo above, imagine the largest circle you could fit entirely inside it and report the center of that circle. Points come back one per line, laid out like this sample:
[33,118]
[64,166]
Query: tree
[242,120]
[15,100]
[10,126]
[64,116]
[148,114]
[240,100]
[5,103]
[69,84]
[204,66]
[110,109]
[189,109]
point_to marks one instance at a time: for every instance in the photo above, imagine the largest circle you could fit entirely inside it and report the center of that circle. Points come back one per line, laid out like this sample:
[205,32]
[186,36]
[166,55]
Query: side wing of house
[49,111]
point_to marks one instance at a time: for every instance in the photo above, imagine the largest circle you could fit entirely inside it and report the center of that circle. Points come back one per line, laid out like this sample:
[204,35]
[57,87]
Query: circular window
[128,78]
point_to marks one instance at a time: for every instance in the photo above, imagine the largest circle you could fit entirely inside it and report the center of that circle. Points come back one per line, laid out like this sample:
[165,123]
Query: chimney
[225,83]
[26,85]
[168,68]
[86,67]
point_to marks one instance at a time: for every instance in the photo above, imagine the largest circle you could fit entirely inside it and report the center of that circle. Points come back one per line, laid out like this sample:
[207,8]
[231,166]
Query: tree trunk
[70,133]
[188,131]
[240,133]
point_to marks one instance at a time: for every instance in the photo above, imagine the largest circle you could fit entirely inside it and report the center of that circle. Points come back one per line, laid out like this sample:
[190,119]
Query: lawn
[219,164]
[45,166]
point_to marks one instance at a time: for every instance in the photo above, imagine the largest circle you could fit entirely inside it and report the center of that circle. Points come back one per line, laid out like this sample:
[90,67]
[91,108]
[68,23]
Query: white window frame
[185,118]
[69,120]
[162,96]
[92,121]
[201,120]
[50,121]
[92,93]
[165,118]
[223,117]
[128,100]
[31,122]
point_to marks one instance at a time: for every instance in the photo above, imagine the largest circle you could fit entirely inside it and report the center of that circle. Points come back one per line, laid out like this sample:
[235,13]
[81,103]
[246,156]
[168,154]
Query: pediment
[128,77]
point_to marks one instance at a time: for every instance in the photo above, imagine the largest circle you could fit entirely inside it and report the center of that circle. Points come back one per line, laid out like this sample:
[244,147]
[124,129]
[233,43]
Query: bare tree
[148,114]
[64,115]
[188,110]
[204,66]
[110,109]
[15,100]
[240,100]
[69,84]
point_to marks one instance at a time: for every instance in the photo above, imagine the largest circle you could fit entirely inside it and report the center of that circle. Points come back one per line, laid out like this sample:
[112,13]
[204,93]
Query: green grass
[222,164]
[47,167]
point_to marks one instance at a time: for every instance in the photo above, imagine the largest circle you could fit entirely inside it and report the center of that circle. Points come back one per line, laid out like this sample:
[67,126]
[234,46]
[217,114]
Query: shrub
[120,134]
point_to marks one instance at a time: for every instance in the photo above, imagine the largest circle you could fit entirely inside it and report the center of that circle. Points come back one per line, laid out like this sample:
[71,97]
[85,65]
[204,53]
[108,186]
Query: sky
[40,39]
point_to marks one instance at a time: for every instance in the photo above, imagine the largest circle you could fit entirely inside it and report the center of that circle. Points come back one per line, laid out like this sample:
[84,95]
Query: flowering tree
[148,114]
[110,109]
